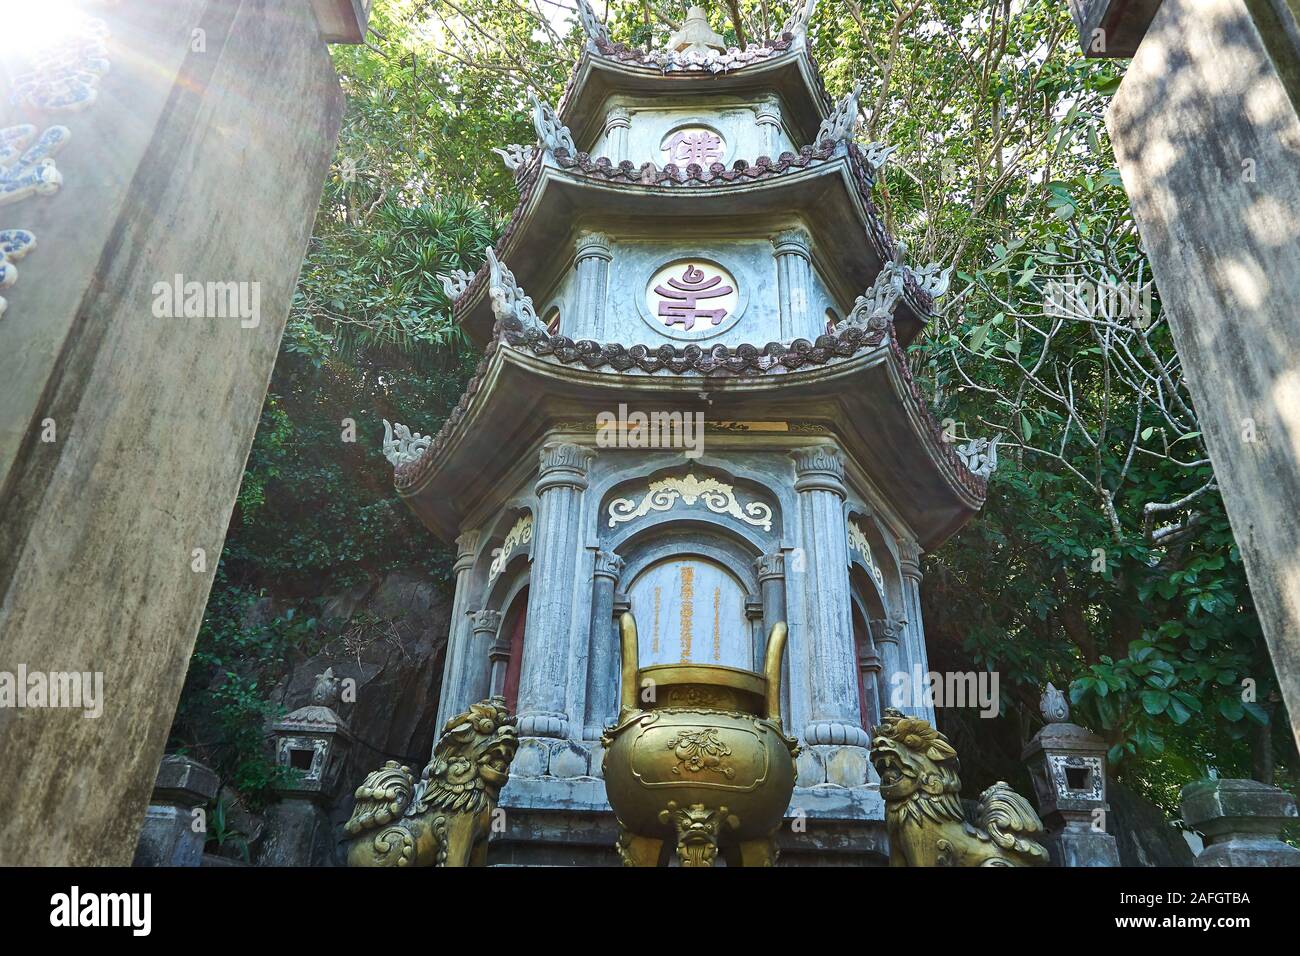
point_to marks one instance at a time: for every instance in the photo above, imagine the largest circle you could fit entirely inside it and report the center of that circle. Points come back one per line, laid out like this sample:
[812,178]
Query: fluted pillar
[602,657]
[828,642]
[885,634]
[481,666]
[561,484]
[770,569]
[768,116]
[914,653]
[617,122]
[793,280]
[592,265]
[453,677]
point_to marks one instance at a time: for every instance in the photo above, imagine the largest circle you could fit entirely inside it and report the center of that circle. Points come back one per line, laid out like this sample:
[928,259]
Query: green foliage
[221,835]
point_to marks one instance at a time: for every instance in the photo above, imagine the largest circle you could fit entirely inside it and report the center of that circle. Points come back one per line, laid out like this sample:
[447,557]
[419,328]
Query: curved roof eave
[650,186]
[939,498]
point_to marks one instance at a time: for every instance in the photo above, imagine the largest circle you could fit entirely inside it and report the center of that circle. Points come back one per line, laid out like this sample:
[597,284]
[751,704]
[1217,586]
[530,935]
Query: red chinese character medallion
[685,293]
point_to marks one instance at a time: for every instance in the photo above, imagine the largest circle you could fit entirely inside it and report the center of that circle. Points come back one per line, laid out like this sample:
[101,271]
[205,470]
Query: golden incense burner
[698,758]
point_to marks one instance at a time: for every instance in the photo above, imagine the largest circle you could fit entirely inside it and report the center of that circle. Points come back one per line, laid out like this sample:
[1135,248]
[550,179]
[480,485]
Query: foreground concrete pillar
[1206,136]
[130,396]
[1241,820]
[168,836]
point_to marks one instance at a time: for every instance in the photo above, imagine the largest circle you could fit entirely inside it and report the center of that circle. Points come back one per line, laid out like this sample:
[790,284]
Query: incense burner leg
[698,828]
[638,850]
[761,852]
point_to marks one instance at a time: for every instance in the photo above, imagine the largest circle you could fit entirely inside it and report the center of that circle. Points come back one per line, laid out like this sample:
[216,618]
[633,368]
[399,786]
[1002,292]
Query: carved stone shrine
[694,405]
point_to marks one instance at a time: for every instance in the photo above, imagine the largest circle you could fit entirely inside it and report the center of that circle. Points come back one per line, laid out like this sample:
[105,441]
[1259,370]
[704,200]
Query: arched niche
[871,552]
[510,641]
[867,606]
[505,548]
[693,591]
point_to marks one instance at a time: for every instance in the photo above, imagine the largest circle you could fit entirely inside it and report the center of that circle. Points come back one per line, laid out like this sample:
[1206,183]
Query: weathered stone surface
[569,759]
[168,836]
[1112,28]
[298,833]
[1205,133]
[1143,834]
[810,767]
[207,165]
[847,766]
[184,782]
[531,759]
[1241,820]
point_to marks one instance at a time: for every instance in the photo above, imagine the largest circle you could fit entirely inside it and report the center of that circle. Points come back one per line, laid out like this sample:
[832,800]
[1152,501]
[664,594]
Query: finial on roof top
[800,17]
[875,308]
[516,158]
[696,36]
[591,24]
[509,302]
[1053,706]
[551,133]
[838,127]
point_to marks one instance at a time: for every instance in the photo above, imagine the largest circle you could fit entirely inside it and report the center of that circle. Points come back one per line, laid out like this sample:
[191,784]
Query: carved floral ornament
[688,490]
[519,534]
[858,542]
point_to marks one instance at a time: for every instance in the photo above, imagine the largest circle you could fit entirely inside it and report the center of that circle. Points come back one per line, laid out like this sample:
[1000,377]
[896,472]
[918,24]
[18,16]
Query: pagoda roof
[782,66]
[856,385]
[834,179]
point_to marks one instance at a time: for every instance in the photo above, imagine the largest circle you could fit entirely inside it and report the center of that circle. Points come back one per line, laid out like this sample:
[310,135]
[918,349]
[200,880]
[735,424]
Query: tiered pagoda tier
[697,236]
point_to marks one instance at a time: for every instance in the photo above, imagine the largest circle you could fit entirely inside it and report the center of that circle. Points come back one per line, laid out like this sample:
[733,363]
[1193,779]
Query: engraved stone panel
[691,610]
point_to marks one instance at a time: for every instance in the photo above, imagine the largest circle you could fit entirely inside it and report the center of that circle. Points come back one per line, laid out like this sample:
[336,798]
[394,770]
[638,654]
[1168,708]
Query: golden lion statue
[443,819]
[923,811]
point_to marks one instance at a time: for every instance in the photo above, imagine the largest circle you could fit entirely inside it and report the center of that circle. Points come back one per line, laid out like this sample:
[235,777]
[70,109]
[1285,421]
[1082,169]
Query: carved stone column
[561,483]
[480,680]
[828,623]
[884,634]
[602,656]
[458,632]
[770,569]
[617,122]
[914,656]
[592,265]
[793,280]
[768,116]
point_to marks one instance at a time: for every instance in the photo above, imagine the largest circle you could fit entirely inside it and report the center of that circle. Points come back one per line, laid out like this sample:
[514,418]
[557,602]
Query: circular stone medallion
[692,298]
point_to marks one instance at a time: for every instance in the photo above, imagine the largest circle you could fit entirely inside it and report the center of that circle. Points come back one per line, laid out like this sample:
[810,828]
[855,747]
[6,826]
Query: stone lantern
[1067,764]
[313,740]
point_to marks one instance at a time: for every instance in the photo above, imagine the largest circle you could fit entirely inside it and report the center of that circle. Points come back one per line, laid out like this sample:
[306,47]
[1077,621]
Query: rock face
[1144,834]
[392,645]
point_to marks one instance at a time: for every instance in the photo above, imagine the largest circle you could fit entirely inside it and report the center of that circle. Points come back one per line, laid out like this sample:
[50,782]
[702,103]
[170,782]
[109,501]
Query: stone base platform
[556,821]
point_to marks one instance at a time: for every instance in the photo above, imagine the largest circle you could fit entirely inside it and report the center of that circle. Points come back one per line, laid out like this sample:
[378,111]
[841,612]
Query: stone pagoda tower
[693,404]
